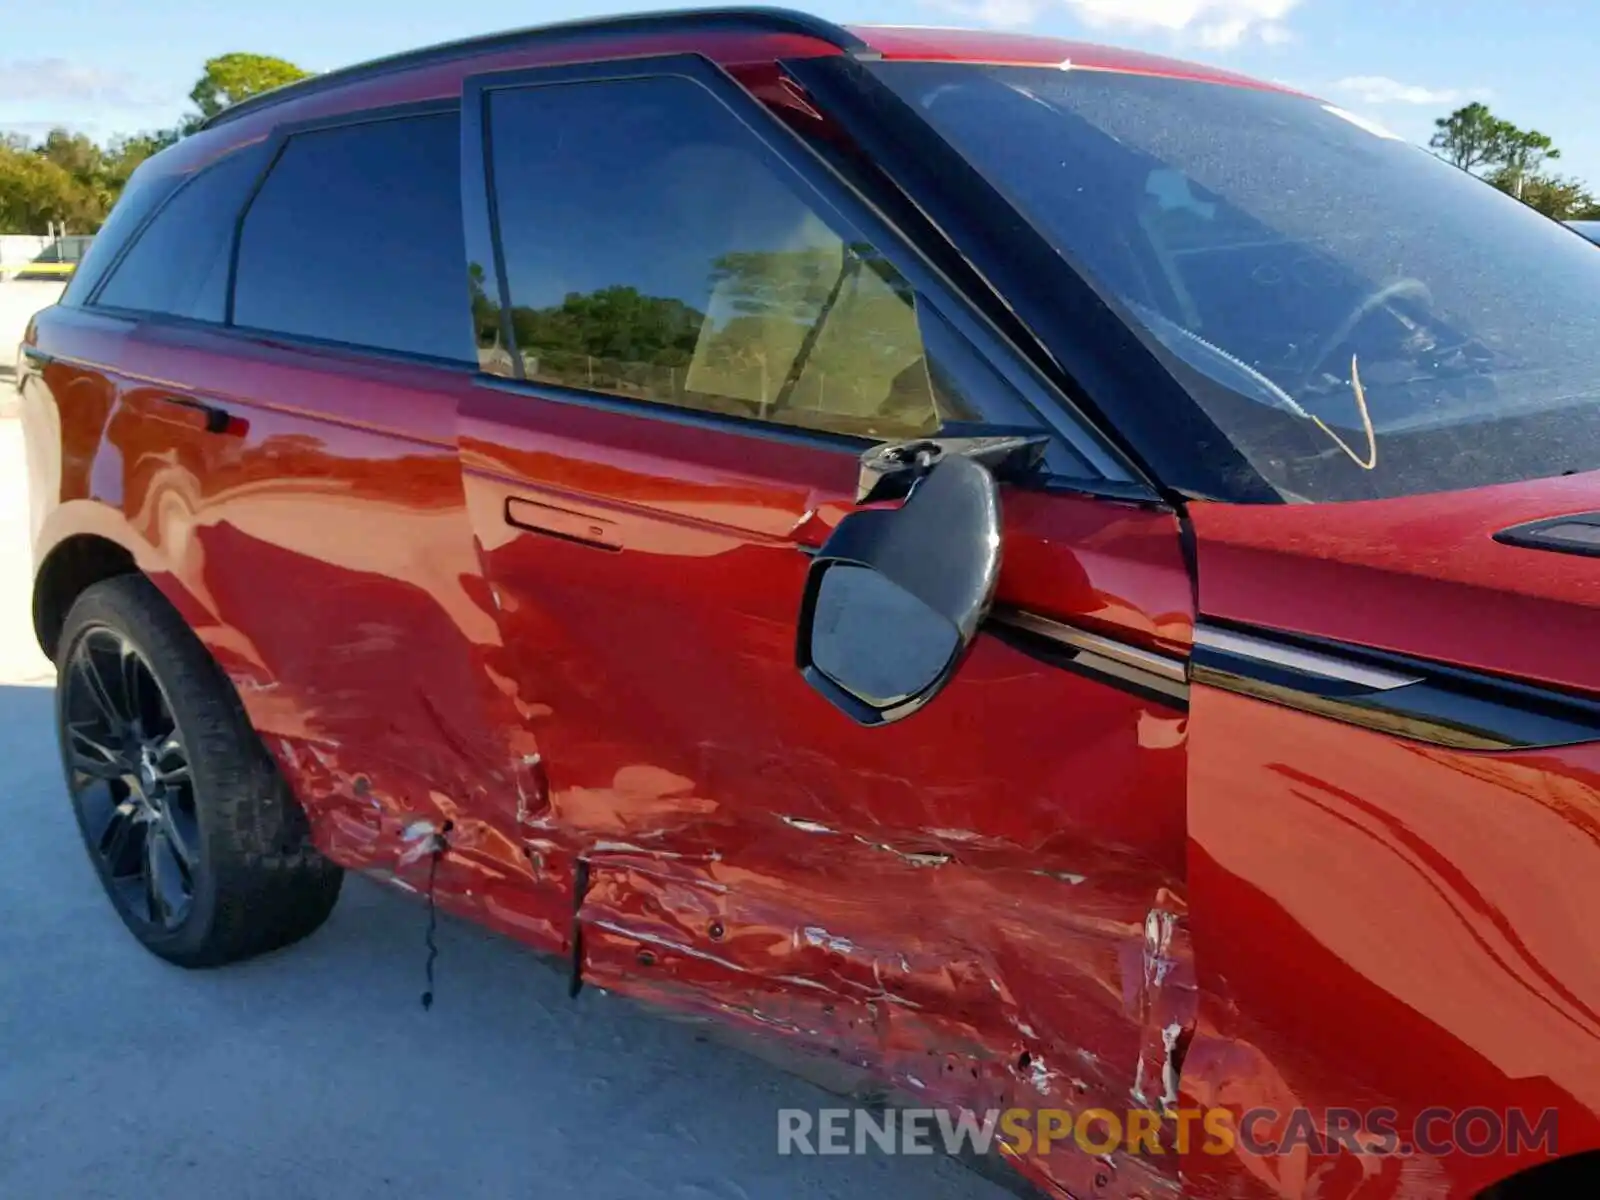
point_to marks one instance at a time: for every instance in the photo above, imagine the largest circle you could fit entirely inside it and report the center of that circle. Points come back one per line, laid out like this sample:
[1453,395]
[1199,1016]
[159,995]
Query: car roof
[949,44]
[732,29]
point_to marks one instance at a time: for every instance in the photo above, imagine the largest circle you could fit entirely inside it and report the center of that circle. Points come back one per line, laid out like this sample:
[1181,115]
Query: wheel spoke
[155,903]
[92,757]
[183,832]
[123,842]
[166,881]
[129,672]
[88,671]
[97,768]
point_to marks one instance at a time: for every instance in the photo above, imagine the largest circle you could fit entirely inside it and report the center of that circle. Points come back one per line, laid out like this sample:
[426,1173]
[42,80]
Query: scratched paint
[949,916]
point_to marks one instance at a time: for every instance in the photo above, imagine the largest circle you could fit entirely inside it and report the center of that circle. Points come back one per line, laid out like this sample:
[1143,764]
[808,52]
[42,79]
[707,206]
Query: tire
[228,867]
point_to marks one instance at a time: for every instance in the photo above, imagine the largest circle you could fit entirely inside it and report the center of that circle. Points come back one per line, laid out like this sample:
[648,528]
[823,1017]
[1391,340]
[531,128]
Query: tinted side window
[656,250]
[356,237]
[179,264]
[144,190]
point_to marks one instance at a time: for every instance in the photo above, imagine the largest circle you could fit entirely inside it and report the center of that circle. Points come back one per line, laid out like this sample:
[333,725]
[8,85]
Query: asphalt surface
[314,1073]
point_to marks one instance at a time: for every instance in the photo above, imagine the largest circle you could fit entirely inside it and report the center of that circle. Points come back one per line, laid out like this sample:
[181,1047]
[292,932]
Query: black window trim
[1041,406]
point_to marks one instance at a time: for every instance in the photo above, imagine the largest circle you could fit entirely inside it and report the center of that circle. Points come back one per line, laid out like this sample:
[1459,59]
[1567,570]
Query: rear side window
[657,250]
[139,198]
[179,264]
[355,237]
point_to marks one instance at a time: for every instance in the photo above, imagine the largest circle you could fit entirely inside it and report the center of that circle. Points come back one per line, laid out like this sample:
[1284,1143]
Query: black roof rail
[754,19]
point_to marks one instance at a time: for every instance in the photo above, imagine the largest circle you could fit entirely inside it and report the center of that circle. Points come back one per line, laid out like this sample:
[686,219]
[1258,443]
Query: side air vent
[1578,533]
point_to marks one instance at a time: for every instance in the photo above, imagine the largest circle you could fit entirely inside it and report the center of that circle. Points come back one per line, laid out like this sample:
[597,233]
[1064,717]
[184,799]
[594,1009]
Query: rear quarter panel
[321,552]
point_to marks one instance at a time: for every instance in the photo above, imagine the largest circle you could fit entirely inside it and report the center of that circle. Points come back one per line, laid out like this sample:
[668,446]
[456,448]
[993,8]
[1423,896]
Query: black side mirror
[895,596]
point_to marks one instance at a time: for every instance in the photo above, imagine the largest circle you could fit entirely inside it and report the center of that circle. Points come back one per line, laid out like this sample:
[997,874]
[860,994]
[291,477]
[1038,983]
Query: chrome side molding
[1395,694]
[1434,703]
[1161,677]
[1295,660]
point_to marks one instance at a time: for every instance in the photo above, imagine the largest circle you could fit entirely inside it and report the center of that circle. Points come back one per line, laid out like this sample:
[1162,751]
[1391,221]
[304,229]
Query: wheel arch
[72,565]
[82,542]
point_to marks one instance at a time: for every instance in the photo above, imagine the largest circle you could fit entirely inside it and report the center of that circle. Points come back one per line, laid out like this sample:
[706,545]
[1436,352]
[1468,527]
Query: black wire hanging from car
[437,846]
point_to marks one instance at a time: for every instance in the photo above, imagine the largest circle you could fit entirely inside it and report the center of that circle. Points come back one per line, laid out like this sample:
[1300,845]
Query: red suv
[1055,578]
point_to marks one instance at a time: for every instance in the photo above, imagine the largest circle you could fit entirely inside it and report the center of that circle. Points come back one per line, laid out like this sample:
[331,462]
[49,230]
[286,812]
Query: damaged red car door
[979,907]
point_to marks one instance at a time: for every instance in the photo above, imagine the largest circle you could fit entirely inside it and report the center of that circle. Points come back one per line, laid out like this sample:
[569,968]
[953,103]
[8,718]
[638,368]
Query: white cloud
[56,81]
[1213,23]
[1380,89]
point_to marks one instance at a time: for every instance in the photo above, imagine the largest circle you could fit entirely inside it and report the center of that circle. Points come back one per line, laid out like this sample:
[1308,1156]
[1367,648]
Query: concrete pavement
[18,302]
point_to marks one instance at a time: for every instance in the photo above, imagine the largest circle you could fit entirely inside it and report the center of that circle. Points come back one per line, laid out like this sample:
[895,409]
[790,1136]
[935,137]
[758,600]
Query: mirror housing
[895,597]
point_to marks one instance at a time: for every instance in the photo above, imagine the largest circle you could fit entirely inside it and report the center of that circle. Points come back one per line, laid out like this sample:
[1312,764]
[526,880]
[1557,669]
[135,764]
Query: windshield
[1357,317]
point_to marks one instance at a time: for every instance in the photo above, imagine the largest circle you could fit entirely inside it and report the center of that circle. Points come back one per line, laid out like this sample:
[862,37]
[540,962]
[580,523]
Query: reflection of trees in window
[766,307]
[492,355]
[612,340]
[821,336]
[829,329]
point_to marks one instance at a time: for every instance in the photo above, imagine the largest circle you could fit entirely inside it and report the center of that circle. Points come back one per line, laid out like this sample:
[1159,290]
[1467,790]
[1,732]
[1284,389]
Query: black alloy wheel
[197,838]
[128,772]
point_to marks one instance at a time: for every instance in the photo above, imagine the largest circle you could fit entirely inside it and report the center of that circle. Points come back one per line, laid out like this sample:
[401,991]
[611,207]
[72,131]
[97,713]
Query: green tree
[35,191]
[1522,153]
[230,78]
[86,162]
[1512,159]
[124,154]
[1471,137]
[1557,197]
[615,338]
[69,178]
[73,153]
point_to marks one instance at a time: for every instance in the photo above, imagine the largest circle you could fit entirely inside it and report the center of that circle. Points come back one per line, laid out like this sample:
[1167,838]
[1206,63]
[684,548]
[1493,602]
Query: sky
[106,66]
